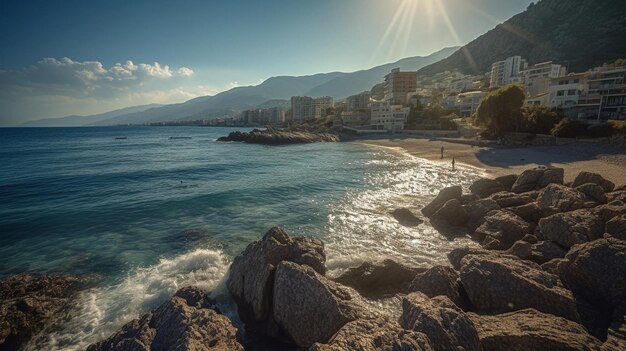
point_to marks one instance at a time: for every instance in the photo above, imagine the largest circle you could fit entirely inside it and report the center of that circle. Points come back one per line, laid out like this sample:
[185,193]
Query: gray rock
[279,137]
[530,212]
[530,329]
[444,196]
[616,195]
[539,253]
[456,255]
[477,211]
[529,238]
[508,199]
[503,226]
[616,227]
[552,266]
[375,335]
[561,198]
[252,272]
[495,283]
[310,308]
[593,192]
[507,181]
[439,281]
[407,218]
[571,228]
[186,322]
[379,279]
[485,187]
[445,324]
[538,178]
[588,177]
[451,213]
[614,343]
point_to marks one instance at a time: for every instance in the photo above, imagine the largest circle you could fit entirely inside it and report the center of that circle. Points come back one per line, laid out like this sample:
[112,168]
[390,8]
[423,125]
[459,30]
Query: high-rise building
[537,78]
[301,108]
[320,105]
[398,85]
[386,116]
[358,102]
[507,71]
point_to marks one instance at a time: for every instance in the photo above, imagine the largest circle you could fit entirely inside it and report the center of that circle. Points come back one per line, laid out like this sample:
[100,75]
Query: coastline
[493,162]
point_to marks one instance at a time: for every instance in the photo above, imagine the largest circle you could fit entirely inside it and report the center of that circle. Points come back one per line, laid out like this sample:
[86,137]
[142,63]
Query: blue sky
[192,48]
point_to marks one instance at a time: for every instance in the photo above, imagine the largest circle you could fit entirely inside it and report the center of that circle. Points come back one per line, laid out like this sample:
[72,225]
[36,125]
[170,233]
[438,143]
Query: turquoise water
[150,213]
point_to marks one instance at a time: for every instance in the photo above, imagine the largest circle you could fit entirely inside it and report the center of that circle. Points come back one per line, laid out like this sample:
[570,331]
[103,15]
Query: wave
[99,312]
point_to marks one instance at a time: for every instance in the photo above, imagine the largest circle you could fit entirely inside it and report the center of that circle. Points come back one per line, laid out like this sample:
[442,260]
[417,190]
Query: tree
[499,111]
[539,119]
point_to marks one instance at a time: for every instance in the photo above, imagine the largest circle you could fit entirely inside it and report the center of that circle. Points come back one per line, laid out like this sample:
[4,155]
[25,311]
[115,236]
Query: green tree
[500,110]
[539,119]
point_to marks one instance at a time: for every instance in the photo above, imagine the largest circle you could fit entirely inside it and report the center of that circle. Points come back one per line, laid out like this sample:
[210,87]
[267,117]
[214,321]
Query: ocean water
[167,207]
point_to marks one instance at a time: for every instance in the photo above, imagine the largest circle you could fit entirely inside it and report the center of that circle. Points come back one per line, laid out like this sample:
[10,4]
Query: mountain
[75,121]
[578,33]
[336,84]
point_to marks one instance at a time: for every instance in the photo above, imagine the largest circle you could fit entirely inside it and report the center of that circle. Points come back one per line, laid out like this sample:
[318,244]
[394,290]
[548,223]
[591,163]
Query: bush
[499,111]
[539,119]
[604,130]
[619,127]
[567,128]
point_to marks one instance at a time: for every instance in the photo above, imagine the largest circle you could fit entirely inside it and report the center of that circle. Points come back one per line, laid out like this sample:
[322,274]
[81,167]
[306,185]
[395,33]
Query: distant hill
[76,121]
[578,33]
[338,85]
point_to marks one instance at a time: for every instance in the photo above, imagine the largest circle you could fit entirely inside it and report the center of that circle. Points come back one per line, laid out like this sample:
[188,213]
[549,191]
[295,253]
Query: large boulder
[252,273]
[485,187]
[28,302]
[537,178]
[477,210]
[501,229]
[439,281]
[530,212]
[451,213]
[588,177]
[571,228]
[379,279]
[530,329]
[561,198]
[596,272]
[540,252]
[507,199]
[507,181]
[310,308]
[406,217]
[616,227]
[375,335]
[186,322]
[496,283]
[445,324]
[445,195]
[456,255]
[593,192]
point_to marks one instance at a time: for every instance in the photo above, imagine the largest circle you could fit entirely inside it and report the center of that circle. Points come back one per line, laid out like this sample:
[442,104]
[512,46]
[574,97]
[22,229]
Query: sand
[607,160]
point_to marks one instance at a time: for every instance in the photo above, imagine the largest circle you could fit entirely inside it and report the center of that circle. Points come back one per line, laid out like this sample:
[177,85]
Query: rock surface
[495,283]
[186,322]
[444,196]
[571,228]
[616,227]
[588,177]
[530,329]
[279,137]
[540,252]
[507,181]
[561,198]
[486,187]
[477,210]
[406,217]
[502,227]
[537,179]
[593,192]
[439,281]
[451,213]
[446,325]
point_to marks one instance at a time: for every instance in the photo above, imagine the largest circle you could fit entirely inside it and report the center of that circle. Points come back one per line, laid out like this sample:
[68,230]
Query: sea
[149,210]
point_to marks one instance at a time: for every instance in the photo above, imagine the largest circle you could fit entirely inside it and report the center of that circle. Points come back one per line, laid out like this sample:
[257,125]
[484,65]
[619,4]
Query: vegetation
[500,110]
[431,117]
[539,119]
[619,127]
[574,128]
[617,63]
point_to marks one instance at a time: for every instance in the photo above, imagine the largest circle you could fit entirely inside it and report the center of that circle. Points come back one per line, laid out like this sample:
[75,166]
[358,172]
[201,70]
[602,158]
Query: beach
[610,161]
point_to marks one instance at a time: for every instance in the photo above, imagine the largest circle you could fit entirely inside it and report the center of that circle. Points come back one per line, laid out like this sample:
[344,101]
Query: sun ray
[444,15]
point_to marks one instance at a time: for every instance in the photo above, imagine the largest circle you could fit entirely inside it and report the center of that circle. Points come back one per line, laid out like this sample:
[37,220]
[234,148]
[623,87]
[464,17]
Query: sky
[71,57]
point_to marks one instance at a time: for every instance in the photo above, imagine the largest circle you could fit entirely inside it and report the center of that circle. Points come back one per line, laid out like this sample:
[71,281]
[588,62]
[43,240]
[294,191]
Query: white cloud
[185,71]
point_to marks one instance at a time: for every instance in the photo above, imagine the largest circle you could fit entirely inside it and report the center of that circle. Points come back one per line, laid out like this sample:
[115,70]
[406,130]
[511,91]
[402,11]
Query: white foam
[99,312]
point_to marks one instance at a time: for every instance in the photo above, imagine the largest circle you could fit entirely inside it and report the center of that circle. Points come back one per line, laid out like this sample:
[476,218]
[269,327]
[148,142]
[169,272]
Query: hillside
[579,33]
[74,121]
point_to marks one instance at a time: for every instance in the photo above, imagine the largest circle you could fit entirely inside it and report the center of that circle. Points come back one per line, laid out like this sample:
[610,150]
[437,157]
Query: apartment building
[355,118]
[320,105]
[302,108]
[398,85]
[387,116]
[468,102]
[537,78]
[507,71]
[358,102]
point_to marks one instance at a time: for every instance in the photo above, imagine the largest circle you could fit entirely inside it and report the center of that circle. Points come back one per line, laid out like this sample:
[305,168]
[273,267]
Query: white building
[566,91]
[320,105]
[537,79]
[386,116]
[468,102]
[358,102]
[302,108]
[507,71]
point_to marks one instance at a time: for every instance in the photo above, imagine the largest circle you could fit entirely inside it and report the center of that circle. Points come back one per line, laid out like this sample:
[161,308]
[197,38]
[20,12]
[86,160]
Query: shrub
[604,130]
[539,119]
[499,111]
[567,128]
[619,127]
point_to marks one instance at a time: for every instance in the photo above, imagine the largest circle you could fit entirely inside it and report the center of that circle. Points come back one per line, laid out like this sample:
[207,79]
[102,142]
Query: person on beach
[453,164]
[442,152]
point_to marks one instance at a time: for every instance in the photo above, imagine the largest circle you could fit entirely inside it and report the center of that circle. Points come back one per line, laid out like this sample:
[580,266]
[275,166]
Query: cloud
[185,72]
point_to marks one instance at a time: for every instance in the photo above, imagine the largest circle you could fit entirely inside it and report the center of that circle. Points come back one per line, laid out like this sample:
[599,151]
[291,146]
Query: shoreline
[492,162]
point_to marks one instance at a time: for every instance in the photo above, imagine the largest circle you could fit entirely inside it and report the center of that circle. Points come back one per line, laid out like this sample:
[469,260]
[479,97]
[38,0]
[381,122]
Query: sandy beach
[610,161]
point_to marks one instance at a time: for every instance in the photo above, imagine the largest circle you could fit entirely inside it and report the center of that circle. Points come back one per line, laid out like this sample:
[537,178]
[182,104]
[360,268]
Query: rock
[539,253]
[507,181]
[28,302]
[593,192]
[503,226]
[596,272]
[451,213]
[571,228]
[496,283]
[616,195]
[279,137]
[485,187]
[614,343]
[445,324]
[379,279]
[186,322]
[375,335]
[439,281]
[405,217]
[456,255]
[252,273]
[477,210]
[530,329]
[552,266]
[561,198]
[530,212]
[507,199]
[588,177]
[310,308]
[610,210]
[467,198]
[538,178]
[616,227]
[529,238]
[444,196]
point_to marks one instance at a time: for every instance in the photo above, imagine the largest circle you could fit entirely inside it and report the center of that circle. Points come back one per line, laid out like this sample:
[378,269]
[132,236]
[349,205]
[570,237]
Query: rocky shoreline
[272,136]
[550,275]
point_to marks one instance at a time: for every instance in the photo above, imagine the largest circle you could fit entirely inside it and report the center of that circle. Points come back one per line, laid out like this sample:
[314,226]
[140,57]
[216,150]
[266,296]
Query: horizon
[93,59]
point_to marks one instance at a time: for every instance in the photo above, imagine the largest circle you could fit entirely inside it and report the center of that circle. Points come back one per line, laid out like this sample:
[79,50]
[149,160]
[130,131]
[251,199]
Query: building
[537,78]
[398,85]
[468,102]
[358,102]
[272,115]
[386,116]
[250,117]
[302,108]
[565,92]
[606,88]
[507,71]
[320,105]
[355,118]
